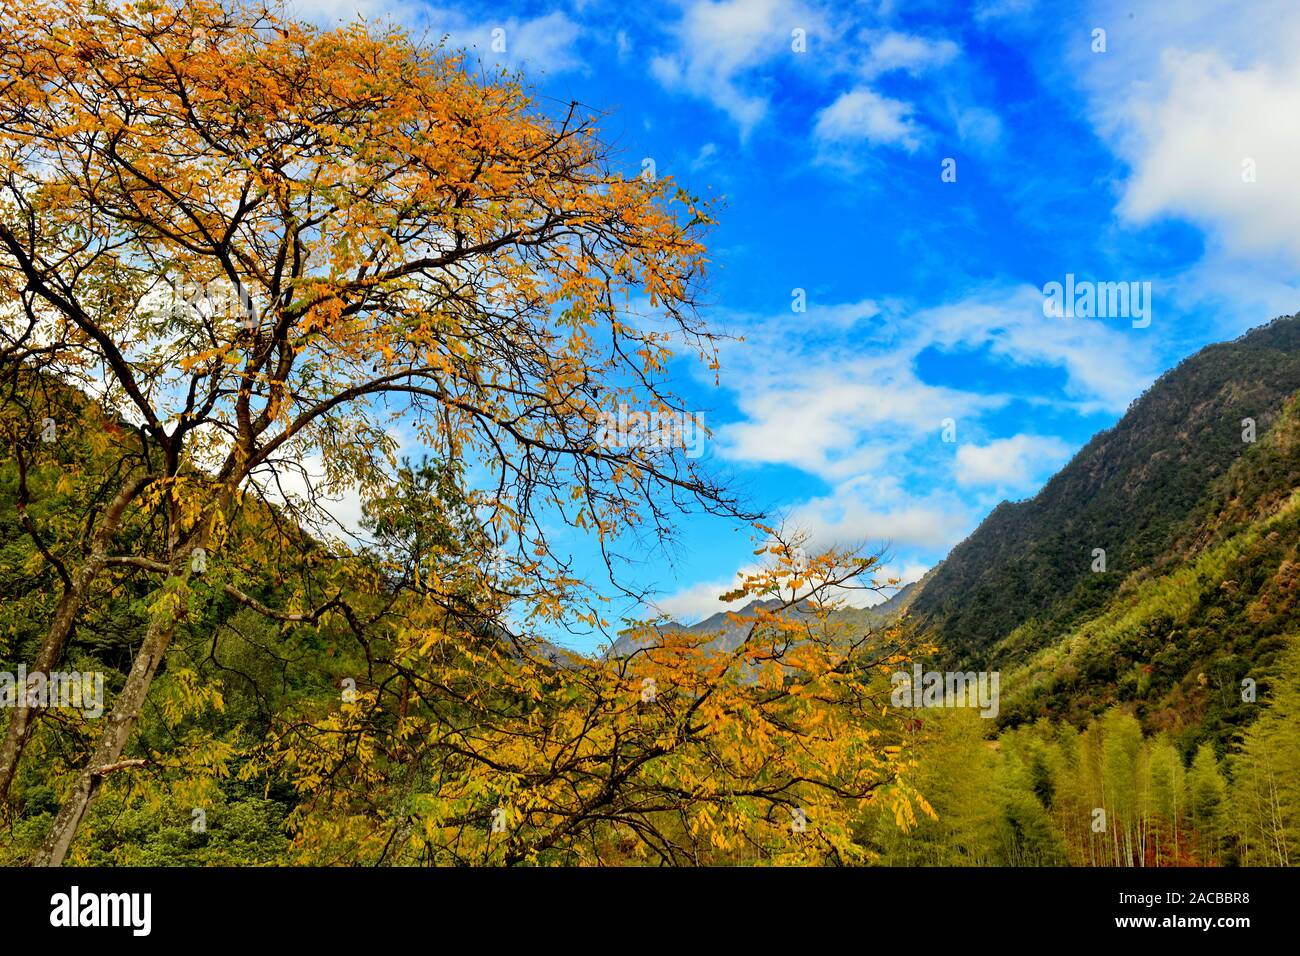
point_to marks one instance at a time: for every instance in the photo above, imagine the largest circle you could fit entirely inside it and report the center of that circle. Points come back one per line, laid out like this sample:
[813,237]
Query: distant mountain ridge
[730,634]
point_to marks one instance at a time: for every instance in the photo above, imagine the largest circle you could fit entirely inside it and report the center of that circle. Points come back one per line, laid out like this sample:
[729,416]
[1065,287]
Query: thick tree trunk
[65,614]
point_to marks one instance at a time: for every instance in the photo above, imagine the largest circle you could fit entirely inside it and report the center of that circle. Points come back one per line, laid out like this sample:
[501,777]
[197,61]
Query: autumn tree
[772,748]
[255,244]
[261,242]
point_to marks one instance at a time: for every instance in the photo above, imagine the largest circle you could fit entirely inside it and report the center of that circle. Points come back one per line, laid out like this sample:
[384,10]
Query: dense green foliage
[1049,793]
[1178,640]
[229,674]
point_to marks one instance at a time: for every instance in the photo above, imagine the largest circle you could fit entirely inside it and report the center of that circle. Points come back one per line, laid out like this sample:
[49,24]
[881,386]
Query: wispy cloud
[863,115]
[548,43]
[1011,463]
[841,398]
[994,10]
[889,51]
[720,46]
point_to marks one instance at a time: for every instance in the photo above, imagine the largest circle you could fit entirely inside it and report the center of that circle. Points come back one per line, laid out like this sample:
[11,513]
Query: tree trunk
[51,649]
[121,721]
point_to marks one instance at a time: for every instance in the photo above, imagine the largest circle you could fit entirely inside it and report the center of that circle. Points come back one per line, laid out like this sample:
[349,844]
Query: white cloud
[1199,141]
[1223,90]
[547,43]
[330,12]
[705,157]
[730,53]
[1010,462]
[907,573]
[335,514]
[718,44]
[904,51]
[851,517]
[839,419]
[835,391]
[901,574]
[1000,9]
[698,601]
[842,316]
[1106,365]
[976,125]
[863,115]
[832,391]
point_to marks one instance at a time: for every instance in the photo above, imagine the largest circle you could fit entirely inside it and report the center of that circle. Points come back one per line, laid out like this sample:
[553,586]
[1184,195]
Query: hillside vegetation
[1149,711]
[1142,491]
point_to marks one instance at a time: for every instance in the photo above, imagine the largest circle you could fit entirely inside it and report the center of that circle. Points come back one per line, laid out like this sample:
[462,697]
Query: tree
[1206,796]
[1121,742]
[254,243]
[357,230]
[1266,771]
[1168,800]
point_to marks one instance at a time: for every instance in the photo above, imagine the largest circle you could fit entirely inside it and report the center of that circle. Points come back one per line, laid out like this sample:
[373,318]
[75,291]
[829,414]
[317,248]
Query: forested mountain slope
[1144,492]
[1164,694]
[1177,640]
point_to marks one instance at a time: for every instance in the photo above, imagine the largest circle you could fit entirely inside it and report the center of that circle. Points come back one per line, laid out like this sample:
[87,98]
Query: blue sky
[1169,157]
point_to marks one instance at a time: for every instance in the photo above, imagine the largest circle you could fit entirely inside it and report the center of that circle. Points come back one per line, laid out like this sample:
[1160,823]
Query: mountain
[1143,492]
[1194,643]
[1200,595]
[729,634]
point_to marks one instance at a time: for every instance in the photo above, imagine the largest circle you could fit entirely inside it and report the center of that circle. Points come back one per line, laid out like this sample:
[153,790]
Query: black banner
[359,907]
